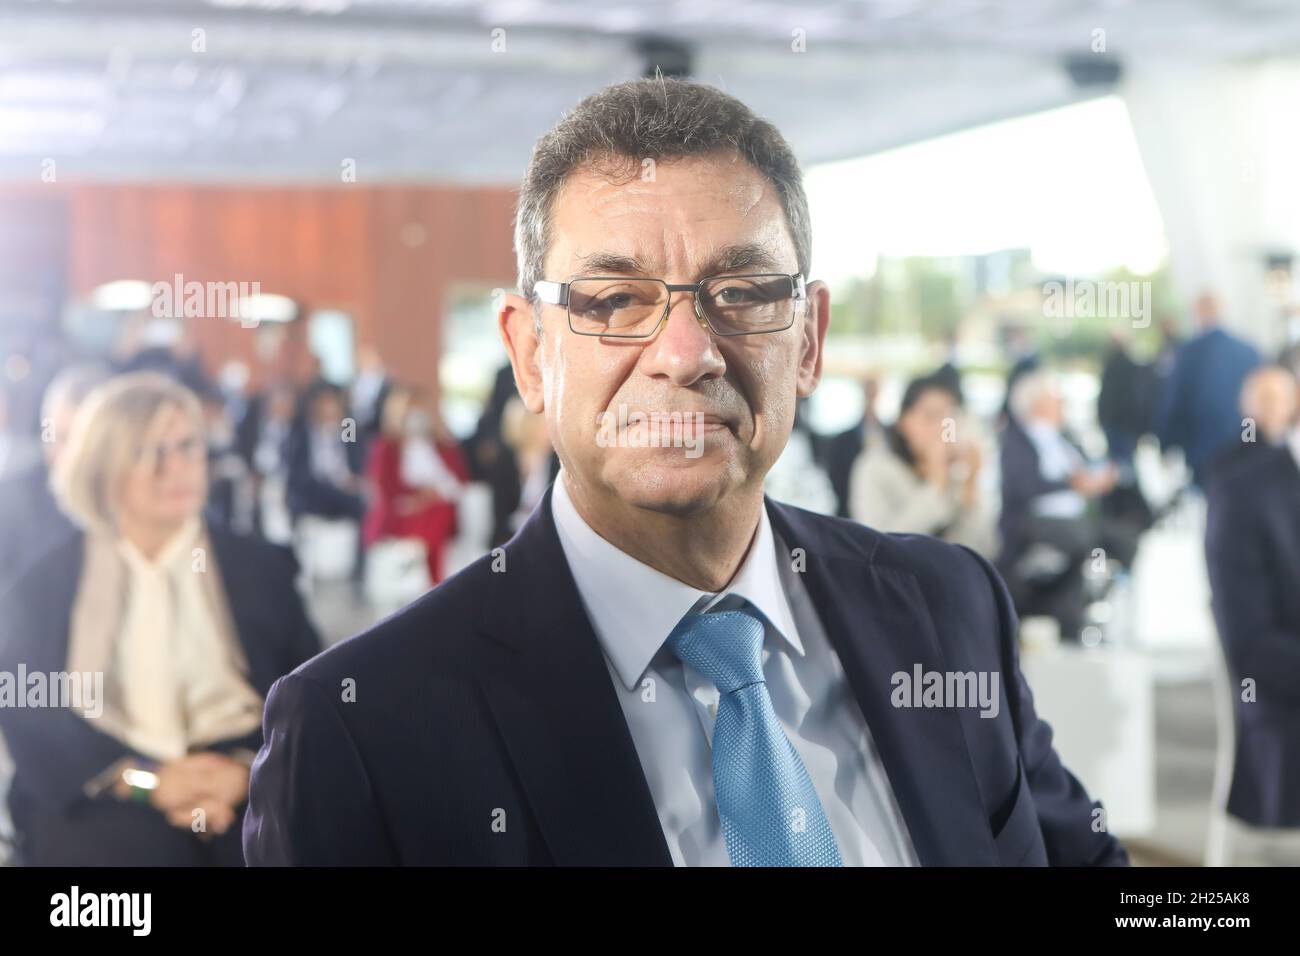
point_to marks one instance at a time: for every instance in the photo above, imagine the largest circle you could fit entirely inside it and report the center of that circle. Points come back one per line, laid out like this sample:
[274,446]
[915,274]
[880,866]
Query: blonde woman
[175,632]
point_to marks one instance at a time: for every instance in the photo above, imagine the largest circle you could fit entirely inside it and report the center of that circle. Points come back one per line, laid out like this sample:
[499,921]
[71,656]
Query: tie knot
[726,647]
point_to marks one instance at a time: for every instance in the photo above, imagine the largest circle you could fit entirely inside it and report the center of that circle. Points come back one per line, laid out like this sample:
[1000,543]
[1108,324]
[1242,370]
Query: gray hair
[659,118]
[1026,393]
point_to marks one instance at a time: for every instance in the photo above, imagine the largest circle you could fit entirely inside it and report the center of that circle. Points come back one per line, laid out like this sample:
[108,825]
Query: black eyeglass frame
[557,293]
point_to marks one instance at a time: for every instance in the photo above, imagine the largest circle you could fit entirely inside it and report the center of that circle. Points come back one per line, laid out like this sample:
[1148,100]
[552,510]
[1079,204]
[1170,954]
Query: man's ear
[814,323]
[519,335]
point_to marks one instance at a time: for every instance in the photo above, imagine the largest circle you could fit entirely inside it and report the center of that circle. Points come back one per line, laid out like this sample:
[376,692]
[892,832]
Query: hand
[933,464]
[217,817]
[207,780]
[1091,484]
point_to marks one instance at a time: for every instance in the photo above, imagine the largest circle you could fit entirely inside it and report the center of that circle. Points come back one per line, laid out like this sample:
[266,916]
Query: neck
[150,538]
[702,549]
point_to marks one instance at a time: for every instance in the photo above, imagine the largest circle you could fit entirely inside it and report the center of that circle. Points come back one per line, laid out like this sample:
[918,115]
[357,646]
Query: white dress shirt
[1057,461]
[670,709]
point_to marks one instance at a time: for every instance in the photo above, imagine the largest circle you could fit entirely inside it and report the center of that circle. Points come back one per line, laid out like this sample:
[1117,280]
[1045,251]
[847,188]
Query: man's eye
[737,295]
[603,305]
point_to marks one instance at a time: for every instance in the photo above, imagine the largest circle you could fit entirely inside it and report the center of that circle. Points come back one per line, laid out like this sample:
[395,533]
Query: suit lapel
[240,581]
[550,692]
[877,620]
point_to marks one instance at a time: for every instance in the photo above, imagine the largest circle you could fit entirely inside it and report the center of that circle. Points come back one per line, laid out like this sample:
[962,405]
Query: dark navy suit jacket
[488,702]
[31,524]
[1252,549]
[310,495]
[1197,407]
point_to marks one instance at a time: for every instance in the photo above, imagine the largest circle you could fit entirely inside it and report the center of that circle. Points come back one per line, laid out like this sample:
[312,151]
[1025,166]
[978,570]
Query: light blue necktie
[770,813]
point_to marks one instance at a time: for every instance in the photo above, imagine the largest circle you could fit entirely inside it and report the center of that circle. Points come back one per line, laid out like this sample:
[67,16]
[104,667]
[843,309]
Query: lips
[623,424]
[686,420]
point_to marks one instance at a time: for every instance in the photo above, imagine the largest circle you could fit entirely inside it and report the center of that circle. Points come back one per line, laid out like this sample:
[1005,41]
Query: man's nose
[684,350]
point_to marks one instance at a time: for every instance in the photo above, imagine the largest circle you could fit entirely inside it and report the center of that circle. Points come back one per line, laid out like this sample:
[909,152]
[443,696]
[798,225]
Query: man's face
[697,218]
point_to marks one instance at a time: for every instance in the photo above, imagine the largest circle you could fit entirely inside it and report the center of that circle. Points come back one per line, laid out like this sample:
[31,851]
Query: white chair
[326,547]
[1100,703]
[397,572]
[474,511]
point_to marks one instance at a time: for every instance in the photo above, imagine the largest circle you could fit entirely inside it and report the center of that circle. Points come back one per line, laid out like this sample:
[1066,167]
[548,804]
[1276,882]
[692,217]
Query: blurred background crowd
[1065,333]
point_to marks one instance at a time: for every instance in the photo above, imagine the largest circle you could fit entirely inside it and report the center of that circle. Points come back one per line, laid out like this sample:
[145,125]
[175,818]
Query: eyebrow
[745,255]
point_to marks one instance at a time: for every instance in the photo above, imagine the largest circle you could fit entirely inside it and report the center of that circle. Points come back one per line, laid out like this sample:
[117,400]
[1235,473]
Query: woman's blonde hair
[108,435]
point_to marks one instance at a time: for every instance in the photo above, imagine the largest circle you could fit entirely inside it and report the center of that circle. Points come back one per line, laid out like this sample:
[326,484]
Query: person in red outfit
[417,474]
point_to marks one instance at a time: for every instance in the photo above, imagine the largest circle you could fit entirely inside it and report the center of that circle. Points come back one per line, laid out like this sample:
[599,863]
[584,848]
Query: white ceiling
[413,89]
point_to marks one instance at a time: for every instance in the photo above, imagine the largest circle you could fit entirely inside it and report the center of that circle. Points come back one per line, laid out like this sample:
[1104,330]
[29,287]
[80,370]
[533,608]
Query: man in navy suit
[1253,554]
[1197,407]
[663,666]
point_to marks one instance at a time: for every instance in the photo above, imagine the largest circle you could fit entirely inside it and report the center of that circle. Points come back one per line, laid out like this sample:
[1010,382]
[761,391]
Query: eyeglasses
[154,457]
[634,308]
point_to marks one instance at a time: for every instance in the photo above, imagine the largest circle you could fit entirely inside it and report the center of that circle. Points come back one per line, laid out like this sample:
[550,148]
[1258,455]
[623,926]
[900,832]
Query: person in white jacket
[924,476]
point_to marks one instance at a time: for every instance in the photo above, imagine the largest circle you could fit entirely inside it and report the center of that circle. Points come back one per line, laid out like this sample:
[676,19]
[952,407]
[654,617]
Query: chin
[665,480]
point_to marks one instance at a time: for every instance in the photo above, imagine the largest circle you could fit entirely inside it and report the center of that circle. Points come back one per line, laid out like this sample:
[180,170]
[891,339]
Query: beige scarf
[162,634]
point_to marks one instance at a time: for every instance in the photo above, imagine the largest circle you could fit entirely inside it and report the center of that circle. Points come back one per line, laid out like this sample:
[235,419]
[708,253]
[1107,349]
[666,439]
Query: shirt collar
[634,607]
[1293,444]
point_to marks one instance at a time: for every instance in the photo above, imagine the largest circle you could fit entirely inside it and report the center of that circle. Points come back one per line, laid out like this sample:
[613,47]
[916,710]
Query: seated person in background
[417,473]
[838,452]
[231,501]
[262,436]
[31,523]
[921,479]
[492,459]
[188,626]
[1268,407]
[324,457]
[1047,483]
[534,457]
[1252,550]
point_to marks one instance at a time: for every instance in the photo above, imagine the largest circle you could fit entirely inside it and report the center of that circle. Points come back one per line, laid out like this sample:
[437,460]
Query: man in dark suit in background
[1252,550]
[1197,408]
[323,457]
[663,666]
[838,452]
[1048,529]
